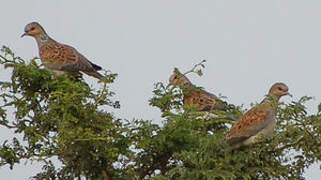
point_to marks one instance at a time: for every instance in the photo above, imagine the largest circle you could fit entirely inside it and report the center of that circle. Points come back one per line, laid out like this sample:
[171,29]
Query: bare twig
[195,66]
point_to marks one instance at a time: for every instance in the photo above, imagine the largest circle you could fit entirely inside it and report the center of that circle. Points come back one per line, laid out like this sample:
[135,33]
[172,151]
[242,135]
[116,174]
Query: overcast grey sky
[248,45]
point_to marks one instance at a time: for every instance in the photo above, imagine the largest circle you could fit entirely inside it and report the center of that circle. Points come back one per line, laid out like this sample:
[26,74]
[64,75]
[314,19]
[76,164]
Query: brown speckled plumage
[193,95]
[59,57]
[260,120]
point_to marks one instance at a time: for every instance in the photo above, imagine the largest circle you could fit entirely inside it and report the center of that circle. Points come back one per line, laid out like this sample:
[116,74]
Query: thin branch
[195,66]
[291,144]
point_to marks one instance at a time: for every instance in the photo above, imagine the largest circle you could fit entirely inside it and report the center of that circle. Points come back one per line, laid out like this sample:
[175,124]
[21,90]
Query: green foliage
[60,117]
[65,118]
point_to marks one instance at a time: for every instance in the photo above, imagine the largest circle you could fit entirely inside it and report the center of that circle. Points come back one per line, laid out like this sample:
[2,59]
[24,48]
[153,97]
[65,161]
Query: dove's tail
[95,74]
[95,66]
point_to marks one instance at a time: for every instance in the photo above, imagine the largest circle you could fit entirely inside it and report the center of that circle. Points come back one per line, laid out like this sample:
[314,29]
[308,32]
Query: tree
[65,118]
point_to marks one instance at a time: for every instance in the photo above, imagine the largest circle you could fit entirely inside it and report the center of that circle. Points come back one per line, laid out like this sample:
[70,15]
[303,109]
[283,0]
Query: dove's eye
[280,89]
[33,28]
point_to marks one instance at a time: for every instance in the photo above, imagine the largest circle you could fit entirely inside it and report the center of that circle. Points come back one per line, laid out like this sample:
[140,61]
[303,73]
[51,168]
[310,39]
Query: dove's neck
[42,39]
[271,100]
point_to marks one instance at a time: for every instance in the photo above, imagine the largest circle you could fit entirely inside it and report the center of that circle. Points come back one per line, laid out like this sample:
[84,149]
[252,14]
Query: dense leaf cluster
[63,117]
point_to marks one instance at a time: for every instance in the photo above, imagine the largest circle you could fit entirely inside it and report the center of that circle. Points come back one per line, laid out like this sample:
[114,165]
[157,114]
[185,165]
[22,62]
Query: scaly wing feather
[250,124]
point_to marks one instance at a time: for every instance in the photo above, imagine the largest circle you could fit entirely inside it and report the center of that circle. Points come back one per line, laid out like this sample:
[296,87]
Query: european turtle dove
[258,121]
[60,58]
[192,95]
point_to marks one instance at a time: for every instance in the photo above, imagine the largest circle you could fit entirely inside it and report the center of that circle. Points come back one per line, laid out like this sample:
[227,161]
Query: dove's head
[178,79]
[278,90]
[33,29]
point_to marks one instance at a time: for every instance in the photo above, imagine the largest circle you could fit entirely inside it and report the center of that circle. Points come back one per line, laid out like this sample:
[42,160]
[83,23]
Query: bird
[259,120]
[192,95]
[60,58]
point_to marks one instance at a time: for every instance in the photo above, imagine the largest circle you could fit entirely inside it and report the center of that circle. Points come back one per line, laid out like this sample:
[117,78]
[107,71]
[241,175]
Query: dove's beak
[289,94]
[23,34]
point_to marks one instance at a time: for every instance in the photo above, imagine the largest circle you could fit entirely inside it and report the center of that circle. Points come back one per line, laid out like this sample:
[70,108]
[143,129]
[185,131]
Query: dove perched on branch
[192,95]
[258,121]
[60,58]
